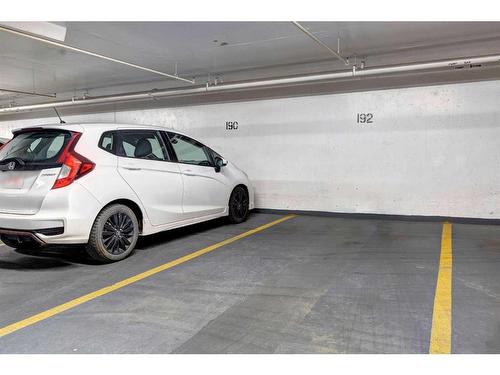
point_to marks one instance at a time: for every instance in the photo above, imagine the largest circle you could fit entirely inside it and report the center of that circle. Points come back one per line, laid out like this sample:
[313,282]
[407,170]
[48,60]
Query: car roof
[102,126]
[81,126]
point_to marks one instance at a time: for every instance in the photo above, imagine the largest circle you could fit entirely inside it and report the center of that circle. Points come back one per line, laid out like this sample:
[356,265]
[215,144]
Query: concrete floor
[307,285]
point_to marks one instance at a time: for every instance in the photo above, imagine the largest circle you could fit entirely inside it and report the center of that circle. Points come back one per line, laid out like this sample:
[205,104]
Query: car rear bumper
[28,225]
[66,217]
[44,229]
[23,236]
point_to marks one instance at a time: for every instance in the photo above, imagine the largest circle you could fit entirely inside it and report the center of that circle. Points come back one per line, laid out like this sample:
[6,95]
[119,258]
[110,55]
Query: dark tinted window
[39,146]
[140,144]
[107,142]
[189,151]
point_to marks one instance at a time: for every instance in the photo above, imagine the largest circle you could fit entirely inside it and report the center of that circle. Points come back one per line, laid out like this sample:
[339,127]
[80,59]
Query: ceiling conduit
[266,83]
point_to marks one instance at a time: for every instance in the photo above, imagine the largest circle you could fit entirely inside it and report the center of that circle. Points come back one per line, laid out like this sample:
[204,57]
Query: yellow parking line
[441,319]
[98,293]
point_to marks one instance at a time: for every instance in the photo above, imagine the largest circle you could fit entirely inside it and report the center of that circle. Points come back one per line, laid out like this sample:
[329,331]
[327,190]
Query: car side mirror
[219,163]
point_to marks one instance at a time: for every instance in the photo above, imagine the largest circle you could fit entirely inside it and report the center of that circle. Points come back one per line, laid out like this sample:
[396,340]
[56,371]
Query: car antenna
[61,121]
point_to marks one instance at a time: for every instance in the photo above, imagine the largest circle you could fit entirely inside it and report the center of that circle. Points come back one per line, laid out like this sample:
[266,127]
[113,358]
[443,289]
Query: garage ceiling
[229,50]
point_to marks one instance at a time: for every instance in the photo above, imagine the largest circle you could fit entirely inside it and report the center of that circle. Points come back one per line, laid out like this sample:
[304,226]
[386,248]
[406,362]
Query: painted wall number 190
[231,125]
[365,118]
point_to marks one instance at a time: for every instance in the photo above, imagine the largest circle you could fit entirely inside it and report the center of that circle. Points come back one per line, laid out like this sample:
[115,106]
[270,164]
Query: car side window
[189,151]
[141,144]
[107,141]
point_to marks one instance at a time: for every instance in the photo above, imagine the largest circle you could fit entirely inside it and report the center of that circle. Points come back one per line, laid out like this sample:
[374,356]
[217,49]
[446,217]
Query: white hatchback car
[106,184]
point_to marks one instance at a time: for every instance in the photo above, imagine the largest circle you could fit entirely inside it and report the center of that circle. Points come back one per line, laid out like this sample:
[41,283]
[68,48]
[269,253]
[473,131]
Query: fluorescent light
[46,29]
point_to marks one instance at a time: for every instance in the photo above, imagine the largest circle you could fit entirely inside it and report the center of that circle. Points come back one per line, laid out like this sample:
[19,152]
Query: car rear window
[40,146]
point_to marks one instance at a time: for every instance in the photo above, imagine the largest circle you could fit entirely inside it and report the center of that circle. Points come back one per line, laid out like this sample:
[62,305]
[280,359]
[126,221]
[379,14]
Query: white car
[104,185]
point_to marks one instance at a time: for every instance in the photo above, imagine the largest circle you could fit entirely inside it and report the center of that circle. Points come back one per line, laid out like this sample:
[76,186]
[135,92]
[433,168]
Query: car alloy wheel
[117,233]
[238,205]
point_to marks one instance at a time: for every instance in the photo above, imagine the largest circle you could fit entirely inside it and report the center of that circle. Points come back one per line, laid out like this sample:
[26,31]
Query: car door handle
[132,168]
[188,172]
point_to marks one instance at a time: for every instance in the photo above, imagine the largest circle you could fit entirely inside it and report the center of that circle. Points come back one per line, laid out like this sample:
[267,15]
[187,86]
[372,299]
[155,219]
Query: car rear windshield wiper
[19,164]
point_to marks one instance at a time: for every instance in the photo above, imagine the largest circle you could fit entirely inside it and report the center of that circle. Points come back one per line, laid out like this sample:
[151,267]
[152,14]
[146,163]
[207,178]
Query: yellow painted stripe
[98,293]
[441,318]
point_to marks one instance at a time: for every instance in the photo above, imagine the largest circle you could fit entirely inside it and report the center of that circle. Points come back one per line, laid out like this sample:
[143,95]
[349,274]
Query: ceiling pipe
[28,93]
[49,30]
[311,35]
[90,53]
[321,77]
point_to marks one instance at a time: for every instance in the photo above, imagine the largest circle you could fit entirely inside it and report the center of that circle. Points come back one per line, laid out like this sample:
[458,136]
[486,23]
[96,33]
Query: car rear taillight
[5,144]
[74,165]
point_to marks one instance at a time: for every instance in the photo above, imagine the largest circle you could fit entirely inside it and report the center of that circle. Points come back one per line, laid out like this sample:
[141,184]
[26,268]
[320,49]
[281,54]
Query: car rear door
[205,191]
[144,163]
[29,166]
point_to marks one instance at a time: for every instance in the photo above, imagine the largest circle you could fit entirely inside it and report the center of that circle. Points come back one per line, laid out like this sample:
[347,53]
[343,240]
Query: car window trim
[166,140]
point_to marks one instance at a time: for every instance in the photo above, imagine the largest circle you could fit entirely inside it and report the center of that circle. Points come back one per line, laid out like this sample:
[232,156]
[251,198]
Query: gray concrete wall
[429,151]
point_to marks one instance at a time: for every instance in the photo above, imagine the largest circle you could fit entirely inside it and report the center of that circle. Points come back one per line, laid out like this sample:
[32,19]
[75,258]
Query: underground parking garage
[249,187]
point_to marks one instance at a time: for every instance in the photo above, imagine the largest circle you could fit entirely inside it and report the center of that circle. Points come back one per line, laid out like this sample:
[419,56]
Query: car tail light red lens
[74,165]
[5,144]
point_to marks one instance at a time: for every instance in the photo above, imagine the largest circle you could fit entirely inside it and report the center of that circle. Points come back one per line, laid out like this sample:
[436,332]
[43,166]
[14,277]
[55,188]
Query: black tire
[238,205]
[114,234]
[25,245]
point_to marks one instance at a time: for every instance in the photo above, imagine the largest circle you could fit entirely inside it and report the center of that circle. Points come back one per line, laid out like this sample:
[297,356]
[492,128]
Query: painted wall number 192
[365,118]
